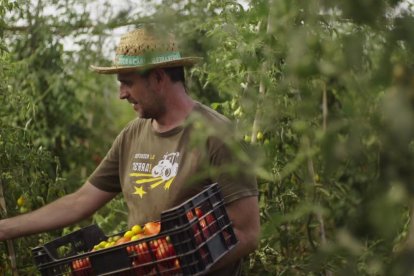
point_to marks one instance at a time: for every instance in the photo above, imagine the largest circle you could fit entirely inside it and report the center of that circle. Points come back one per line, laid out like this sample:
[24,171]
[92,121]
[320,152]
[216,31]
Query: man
[173,150]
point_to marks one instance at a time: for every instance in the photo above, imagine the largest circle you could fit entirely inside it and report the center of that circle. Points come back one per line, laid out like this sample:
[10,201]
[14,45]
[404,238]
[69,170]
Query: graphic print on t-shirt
[150,176]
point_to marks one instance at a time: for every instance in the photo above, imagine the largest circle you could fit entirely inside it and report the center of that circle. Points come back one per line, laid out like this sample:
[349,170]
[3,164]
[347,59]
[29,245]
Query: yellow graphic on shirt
[139,191]
[163,173]
[140,174]
[157,184]
[141,181]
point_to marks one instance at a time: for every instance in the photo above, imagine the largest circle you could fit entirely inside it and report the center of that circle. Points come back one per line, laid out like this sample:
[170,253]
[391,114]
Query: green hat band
[125,60]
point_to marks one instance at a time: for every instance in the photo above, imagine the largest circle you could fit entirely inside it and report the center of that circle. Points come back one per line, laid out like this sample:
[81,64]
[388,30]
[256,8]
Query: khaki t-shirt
[157,171]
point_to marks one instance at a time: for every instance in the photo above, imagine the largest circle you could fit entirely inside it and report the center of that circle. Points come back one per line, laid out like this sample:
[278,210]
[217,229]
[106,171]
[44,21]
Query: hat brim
[186,62]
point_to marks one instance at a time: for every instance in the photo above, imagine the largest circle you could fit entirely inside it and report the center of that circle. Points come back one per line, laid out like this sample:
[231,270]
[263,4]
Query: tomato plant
[322,90]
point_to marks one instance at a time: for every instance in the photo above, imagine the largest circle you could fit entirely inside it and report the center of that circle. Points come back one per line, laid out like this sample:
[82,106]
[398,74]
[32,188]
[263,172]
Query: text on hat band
[143,60]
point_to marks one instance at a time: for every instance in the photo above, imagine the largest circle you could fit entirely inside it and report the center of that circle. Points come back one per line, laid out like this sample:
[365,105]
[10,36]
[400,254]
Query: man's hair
[176,74]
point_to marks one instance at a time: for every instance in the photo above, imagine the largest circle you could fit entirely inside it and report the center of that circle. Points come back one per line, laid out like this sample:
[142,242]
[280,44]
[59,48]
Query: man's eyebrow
[123,79]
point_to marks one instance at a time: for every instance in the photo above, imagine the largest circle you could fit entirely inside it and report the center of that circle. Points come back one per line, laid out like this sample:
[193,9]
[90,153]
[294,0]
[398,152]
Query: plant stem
[9,243]
[410,240]
[311,168]
[262,86]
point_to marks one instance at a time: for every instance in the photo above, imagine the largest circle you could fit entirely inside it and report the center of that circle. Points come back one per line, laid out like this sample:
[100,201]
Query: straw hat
[146,48]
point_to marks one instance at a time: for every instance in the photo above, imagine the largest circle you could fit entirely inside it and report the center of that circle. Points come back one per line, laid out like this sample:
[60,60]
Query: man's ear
[159,75]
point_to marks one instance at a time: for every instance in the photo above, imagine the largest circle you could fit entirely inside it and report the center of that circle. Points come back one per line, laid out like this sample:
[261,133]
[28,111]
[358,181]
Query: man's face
[141,92]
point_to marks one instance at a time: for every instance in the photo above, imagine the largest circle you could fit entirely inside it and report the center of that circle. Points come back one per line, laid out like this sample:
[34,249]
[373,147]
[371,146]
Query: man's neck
[178,106]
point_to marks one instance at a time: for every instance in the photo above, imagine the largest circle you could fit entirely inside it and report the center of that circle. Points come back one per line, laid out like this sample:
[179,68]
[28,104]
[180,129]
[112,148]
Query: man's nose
[123,93]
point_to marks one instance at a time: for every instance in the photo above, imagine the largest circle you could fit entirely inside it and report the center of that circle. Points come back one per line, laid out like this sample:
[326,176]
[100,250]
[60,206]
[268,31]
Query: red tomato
[197,234]
[143,259]
[190,215]
[81,264]
[176,263]
[198,212]
[202,223]
[130,249]
[211,223]
[152,228]
[204,228]
[143,254]
[164,249]
[122,240]
[88,263]
[75,265]
[154,244]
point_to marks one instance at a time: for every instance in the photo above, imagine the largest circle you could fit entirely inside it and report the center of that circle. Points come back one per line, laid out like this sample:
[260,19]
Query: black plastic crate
[193,236]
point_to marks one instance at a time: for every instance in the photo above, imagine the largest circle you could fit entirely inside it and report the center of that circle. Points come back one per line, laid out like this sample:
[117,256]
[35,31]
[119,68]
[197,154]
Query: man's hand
[60,213]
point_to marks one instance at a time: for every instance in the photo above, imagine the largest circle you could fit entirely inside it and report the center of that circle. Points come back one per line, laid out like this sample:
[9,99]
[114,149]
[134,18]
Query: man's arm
[62,212]
[244,213]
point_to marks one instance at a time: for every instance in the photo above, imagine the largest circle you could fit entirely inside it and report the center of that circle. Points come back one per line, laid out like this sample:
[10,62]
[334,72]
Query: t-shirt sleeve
[106,175]
[231,171]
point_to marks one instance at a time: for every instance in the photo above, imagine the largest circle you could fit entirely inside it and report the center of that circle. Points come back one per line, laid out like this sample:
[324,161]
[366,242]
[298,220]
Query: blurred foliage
[57,118]
[322,89]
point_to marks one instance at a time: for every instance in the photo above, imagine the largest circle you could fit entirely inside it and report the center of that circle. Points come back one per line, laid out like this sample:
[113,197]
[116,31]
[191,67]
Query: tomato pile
[164,253]
[158,251]
[135,233]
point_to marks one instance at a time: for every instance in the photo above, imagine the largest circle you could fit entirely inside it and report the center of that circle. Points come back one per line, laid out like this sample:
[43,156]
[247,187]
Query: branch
[64,30]
[311,171]
[309,233]
[324,108]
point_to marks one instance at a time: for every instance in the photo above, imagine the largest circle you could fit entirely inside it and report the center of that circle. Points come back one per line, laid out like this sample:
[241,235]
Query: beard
[151,113]
[153,107]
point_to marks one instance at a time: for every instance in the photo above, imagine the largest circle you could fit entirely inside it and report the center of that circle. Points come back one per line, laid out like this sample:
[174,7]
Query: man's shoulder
[212,115]
[137,124]
[213,124]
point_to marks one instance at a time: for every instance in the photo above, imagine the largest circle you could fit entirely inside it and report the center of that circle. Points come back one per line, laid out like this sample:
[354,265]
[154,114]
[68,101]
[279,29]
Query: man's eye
[126,83]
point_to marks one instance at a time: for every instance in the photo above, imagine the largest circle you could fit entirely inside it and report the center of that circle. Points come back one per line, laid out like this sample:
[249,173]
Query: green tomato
[21,201]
